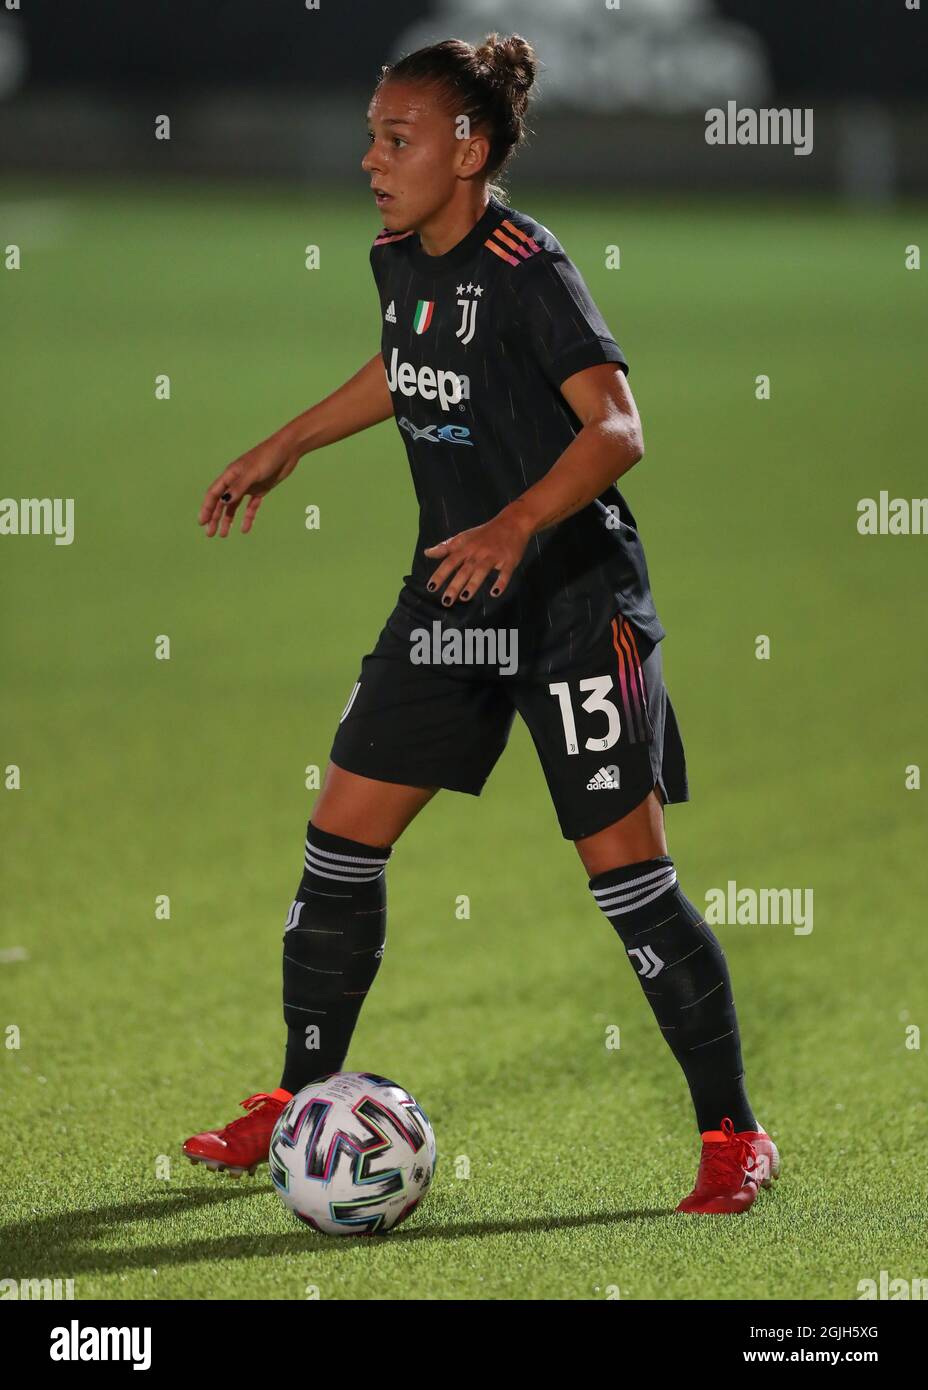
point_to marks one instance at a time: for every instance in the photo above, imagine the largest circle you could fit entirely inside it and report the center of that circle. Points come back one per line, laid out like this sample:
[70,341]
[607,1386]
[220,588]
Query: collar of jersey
[465,248]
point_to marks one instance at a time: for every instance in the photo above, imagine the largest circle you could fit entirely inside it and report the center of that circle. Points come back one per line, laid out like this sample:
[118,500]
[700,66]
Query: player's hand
[252,475]
[468,557]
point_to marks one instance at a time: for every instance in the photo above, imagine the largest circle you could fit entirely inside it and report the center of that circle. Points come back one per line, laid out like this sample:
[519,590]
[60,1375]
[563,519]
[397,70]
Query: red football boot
[767,1167]
[243,1144]
[726,1180]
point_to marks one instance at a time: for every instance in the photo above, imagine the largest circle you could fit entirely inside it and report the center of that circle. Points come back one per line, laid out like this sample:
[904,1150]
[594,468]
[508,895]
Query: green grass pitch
[186,777]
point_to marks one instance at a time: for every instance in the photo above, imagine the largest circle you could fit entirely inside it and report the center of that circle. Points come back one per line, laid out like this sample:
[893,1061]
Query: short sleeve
[375,266]
[558,320]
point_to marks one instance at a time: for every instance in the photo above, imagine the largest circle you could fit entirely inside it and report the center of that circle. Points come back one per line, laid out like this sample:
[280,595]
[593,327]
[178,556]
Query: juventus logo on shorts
[465,330]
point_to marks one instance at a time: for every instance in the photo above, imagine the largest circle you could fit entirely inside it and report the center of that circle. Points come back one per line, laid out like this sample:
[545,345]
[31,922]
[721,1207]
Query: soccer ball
[352,1154]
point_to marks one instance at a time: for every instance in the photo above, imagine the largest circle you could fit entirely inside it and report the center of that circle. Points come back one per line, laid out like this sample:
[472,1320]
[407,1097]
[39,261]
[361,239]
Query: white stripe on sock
[638,895]
[635,882]
[322,870]
[343,858]
[620,911]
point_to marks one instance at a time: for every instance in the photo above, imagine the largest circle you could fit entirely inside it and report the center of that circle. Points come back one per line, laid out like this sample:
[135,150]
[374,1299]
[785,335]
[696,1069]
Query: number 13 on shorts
[597,700]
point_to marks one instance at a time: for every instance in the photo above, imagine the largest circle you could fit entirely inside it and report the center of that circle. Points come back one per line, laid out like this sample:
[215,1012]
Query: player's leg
[678,960]
[332,947]
[405,732]
[625,760]
[364,809]
[684,975]
[638,836]
[335,932]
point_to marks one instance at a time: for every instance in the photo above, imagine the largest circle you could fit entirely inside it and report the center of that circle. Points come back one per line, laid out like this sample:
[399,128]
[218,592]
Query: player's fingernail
[431,588]
[465,593]
[447,600]
[494,593]
[226,497]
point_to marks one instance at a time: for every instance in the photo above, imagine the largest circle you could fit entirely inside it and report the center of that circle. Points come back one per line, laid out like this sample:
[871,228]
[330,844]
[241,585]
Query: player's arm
[608,444]
[363,400]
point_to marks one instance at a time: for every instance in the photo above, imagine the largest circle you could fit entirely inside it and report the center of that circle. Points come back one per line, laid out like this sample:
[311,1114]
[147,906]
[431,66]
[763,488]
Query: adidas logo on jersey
[606,780]
[390,315]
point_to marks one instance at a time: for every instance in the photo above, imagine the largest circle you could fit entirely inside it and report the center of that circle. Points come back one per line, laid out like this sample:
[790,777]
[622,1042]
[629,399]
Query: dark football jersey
[476,344]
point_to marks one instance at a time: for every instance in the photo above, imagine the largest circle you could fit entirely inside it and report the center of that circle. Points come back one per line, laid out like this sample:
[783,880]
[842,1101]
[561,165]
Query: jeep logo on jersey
[448,388]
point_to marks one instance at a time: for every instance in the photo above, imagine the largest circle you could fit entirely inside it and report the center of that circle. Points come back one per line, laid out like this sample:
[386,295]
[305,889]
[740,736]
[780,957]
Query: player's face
[414,159]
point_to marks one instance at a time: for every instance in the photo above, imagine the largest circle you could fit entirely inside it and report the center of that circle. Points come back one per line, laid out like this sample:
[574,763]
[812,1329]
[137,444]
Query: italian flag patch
[423,315]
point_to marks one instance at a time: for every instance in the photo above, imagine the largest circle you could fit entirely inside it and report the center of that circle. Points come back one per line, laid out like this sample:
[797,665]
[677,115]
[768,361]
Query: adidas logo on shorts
[604,781]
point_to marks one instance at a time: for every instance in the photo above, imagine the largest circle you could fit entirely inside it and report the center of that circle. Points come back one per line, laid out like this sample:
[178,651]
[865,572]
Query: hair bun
[510,61]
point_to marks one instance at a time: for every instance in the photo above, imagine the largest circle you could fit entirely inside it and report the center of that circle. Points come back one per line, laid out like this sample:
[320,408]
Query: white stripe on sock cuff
[633,882]
[343,858]
[610,896]
[637,894]
[323,870]
[361,866]
[639,902]
[618,912]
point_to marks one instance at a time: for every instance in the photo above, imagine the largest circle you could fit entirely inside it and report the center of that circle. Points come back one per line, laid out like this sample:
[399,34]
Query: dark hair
[489,84]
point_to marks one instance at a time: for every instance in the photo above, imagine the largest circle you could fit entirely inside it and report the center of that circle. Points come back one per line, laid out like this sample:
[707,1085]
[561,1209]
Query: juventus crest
[465,329]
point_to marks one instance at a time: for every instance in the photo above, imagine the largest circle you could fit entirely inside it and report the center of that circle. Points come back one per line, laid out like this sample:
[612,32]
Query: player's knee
[336,867]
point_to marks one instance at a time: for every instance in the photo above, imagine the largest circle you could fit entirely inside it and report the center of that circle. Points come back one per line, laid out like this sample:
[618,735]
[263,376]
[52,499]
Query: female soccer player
[528,592]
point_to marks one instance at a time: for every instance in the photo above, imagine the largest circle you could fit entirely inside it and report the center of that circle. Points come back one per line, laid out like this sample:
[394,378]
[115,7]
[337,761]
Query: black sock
[333,944]
[682,971]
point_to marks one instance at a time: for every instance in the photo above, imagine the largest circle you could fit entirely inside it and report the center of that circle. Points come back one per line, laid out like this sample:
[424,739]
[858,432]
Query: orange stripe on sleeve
[503,255]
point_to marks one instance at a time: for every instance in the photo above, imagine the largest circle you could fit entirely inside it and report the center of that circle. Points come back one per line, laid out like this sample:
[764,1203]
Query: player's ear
[473,154]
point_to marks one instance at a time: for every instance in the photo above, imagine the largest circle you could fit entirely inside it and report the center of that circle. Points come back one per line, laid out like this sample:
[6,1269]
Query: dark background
[864,47]
[268,90]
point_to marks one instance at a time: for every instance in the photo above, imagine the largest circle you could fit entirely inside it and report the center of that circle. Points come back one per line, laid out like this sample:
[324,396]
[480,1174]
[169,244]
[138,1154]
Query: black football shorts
[604,729]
